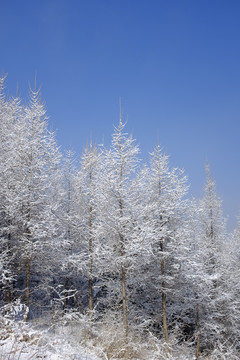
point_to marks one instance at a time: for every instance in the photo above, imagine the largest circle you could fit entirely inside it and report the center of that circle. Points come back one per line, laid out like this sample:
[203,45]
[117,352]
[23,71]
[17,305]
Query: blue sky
[175,64]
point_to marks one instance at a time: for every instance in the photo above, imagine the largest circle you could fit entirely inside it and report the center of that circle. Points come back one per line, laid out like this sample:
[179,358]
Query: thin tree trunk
[8,286]
[164,298]
[8,293]
[90,281]
[123,269]
[27,268]
[66,285]
[27,290]
[198,331]
[66,288]
[124,299]
[123,284]
[90,284]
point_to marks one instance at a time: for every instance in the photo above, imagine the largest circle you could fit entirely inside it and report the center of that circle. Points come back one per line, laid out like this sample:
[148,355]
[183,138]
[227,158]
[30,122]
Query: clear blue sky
[175,64]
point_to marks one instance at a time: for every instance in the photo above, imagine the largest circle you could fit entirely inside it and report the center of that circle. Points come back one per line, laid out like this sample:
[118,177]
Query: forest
[108,253]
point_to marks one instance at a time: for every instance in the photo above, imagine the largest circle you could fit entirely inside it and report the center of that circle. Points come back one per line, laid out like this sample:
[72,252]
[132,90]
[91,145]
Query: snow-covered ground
[79,338]
[21,341]
[49,347]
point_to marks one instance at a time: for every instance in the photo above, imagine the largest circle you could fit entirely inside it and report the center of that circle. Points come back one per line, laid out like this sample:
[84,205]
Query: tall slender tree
[86,183]
[38,167]
[164,220]
[115,225]
[69,226]
[208,268]
[10,113]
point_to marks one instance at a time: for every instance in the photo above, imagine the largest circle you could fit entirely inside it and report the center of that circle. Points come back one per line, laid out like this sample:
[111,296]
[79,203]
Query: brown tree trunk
[8,293]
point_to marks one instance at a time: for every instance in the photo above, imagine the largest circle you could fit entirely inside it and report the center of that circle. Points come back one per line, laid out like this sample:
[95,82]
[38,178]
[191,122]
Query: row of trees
[112,236]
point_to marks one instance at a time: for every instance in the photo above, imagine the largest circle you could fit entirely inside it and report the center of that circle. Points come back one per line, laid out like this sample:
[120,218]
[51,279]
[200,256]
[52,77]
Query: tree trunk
[66,294]
[122,243]
[27,268]
[8,293]
[164,299]
[27,291]
[123,278]
[123,285]
[8,286]
[198,332]
[90,282]
[124,299]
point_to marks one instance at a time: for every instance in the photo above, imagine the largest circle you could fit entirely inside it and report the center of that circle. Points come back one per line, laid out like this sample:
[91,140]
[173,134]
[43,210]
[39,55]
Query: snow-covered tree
[68,230]
[38,170]
[115,230]
[163,221]
[10,113]
[86,184]
[230,287]
[115,240]
[208,269]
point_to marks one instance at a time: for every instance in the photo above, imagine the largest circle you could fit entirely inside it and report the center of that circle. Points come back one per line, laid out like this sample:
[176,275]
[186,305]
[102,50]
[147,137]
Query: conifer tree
[86,187]
[115,223]
[38,168]
[164,219]
[208,268]
[11,113]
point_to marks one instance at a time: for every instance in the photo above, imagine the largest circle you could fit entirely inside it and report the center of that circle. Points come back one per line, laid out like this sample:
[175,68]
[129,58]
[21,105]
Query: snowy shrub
[17,339]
